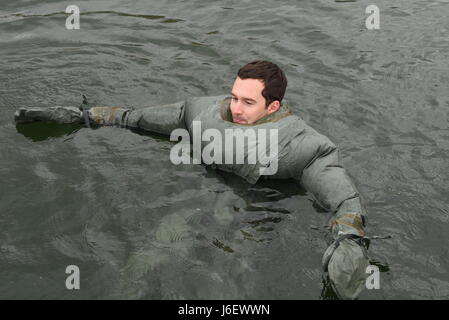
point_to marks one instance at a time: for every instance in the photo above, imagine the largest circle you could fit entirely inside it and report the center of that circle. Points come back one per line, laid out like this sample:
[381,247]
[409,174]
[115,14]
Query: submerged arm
[346,258]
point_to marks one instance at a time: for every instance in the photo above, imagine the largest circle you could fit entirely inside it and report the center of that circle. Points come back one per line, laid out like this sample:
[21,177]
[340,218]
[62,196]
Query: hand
[51,114]
[346,262]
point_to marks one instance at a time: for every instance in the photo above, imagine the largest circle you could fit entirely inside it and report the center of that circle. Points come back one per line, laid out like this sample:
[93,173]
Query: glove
[51,114]
[346,261]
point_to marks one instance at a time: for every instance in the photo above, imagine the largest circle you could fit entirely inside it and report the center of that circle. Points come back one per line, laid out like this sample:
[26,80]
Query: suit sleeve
[326,179]
[162,119]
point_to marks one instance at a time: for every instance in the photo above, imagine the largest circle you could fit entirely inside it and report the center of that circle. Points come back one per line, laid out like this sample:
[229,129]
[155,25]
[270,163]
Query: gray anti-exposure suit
[303,154]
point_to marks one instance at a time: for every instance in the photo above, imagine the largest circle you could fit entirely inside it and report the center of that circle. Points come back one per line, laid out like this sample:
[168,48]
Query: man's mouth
[239,120]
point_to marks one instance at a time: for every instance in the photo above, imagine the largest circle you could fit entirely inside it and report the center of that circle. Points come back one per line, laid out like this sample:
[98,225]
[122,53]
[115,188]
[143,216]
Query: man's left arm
[326,179]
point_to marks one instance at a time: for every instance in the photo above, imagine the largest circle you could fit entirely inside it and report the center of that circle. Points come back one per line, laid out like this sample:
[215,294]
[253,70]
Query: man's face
[248,104]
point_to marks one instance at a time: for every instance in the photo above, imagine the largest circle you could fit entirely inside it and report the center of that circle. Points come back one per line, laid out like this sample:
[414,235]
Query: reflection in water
[39,131]
[328,293]
[86,13]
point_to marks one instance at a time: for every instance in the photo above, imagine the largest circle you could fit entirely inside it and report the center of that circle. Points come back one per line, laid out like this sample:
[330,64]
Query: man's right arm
[161,119]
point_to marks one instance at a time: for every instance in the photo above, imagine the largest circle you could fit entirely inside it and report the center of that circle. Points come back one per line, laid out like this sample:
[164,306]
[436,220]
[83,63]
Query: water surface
[111,202]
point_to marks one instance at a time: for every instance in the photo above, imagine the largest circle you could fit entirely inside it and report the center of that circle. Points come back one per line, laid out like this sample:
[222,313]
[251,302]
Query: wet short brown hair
[270,74]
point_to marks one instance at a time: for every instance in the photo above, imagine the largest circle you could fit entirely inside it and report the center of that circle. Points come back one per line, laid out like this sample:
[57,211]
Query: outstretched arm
[160,119]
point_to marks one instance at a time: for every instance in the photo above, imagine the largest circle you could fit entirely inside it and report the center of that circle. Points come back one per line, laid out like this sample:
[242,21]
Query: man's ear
[274,106]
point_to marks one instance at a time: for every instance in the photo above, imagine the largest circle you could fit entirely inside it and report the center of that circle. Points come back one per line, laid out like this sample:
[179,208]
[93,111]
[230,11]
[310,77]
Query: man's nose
[237,107]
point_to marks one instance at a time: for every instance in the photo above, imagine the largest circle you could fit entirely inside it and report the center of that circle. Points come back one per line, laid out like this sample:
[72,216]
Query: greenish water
[110,201]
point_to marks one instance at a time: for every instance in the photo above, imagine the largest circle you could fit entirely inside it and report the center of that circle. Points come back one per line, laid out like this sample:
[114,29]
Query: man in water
[256,102]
